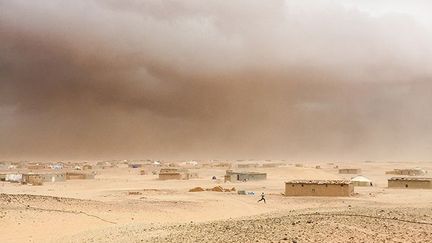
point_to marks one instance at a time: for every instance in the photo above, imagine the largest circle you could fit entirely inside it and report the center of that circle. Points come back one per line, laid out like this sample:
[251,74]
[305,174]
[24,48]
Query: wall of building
[54,177]
[45,177]
[170,176]
[35,180]
[75,176]
[36,167]
[272,165]
[410,172]
[409,184]
[247,165]
[252,177]
[349,171]
[87,167]
[191,175]
[238,176]
[169,170]
[79,176]
[333,190]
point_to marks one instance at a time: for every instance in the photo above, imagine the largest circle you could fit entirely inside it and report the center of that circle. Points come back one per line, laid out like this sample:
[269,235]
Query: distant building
[79,175]
[34,179]
[44,176]
[36,166]
[170,176]
[57,166]
[410,182]
[134,166]
[249,165]
[106,164]
[191,175]
[5,165]
[191,163]
[3,176]
[221,165]
[244,176]
[349,171]
[87,167]
[409,172]
[332,188]
[176,174]
[272,165]
[13,177]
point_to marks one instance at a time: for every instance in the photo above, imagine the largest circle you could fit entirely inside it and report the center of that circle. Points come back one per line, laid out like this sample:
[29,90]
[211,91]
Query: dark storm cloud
[175,79]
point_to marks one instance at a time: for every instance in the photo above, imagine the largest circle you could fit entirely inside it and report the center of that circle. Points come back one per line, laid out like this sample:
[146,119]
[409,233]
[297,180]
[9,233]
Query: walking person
[262,198]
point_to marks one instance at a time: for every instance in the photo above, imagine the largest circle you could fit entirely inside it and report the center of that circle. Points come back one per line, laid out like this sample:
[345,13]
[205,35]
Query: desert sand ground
[120,205]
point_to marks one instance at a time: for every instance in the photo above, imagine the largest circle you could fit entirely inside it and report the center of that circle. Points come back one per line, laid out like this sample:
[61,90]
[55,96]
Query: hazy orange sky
[300,80]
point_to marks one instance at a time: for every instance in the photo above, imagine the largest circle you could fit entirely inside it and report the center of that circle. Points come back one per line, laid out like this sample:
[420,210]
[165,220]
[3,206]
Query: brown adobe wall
[409,184]
[326,190]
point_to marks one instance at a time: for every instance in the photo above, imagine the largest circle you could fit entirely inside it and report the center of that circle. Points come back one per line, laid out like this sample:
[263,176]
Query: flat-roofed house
[79,175]
[45,176]
[31,178]
[233,176]
[176,174]
[410,182]
[409,172]
[327,188]
[349,171]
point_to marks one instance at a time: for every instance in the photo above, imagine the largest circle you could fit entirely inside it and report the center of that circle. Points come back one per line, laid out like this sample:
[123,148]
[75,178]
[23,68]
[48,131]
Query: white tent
[420,170]
[361,181]
[194,163]
[14,177]
[57,166]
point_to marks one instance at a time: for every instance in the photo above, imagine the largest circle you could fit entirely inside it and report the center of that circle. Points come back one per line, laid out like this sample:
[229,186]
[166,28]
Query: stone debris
[214,189]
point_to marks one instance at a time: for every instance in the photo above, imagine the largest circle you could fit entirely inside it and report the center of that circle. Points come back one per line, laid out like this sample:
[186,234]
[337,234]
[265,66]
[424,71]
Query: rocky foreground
[352,225]
[327,225]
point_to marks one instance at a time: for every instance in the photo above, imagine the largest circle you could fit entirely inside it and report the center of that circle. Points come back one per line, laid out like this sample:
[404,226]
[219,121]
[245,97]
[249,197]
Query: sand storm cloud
[208,79]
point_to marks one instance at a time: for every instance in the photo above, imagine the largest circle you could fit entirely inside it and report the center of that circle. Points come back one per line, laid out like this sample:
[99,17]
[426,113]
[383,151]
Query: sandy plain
[120,205]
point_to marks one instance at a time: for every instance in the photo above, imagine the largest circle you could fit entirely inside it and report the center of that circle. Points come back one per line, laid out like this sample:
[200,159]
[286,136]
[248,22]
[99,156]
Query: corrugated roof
[246,173]
[320,182]
[410,179]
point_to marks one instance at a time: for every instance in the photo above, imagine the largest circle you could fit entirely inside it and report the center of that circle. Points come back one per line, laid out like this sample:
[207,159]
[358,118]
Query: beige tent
[361,181]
